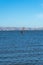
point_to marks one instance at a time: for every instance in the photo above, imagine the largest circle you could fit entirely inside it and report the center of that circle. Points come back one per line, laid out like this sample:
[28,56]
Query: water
[18,48]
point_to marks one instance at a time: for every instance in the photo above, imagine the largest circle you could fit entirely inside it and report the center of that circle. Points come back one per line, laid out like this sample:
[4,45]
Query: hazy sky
[21,13]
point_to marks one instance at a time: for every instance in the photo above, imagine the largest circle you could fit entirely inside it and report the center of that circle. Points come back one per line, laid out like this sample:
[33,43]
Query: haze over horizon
[21,13]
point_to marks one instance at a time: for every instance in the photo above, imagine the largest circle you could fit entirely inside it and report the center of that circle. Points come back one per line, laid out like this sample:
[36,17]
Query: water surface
[18,48]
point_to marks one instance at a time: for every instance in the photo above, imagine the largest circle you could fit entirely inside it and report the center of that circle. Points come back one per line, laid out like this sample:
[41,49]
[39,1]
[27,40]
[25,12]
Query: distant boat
[22,31]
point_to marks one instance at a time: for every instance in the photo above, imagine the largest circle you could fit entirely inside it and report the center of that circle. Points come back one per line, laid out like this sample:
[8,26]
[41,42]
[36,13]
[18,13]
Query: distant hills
[18,28]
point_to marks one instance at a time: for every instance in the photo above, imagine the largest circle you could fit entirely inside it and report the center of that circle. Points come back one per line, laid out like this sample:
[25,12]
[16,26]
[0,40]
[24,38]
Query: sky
[21,13]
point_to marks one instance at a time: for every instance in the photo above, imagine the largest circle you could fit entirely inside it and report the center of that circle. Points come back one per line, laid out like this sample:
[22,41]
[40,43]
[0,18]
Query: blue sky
[21,13]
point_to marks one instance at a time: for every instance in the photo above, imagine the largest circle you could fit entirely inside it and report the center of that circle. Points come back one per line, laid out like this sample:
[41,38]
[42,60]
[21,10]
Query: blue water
[17,48]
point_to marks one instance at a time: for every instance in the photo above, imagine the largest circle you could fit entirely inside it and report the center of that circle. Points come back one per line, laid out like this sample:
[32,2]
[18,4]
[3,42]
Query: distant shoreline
[18,28]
